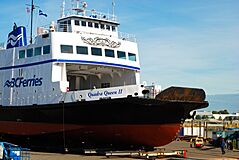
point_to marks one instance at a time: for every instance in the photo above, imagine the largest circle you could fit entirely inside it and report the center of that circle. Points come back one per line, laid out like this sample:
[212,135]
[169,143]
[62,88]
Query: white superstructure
[82,56]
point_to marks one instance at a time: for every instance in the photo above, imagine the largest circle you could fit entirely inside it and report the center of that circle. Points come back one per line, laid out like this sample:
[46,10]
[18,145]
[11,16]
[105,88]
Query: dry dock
[206,152]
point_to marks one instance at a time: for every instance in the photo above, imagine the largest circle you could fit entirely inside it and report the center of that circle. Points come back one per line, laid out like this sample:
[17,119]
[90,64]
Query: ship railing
[2,46]
[68,28]
[92,14]
[54,28]
[127,36]
[153,91]
[64,28]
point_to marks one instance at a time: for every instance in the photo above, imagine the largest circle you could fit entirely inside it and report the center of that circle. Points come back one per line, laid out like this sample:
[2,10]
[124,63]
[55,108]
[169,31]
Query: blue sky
[191,43]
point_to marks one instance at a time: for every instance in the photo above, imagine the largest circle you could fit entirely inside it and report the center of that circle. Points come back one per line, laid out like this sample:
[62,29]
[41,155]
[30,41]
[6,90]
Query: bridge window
[90,24]
[29,52]
[96,25]
[83,23]
[109,53]
[66,49]
[102,26]
[47,49]
[65,26]
[108,27]
[22,54]
[81,50]
[121,55]
[37,51]
[113,28]
[132,56]
[96,51]
[77,22]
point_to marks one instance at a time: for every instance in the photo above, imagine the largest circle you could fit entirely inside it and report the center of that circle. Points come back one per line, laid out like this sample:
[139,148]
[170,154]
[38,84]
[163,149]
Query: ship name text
[104,93]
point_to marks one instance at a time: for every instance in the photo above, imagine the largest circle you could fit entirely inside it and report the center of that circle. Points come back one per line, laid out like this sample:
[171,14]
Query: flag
[42,13]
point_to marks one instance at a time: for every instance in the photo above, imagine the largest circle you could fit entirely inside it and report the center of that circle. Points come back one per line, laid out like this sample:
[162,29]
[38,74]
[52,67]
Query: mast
[63,9]
[32,9]
[113,9]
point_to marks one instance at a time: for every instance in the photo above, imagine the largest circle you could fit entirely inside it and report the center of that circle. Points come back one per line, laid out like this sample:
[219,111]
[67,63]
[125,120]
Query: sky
[189,43]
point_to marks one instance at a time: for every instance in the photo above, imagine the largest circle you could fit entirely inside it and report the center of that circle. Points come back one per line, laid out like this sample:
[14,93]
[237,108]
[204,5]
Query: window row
[95,25]
[97,52]
[30,52]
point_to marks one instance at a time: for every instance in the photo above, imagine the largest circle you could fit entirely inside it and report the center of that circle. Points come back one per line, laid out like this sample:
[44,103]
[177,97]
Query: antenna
[80,6]
[84,6]
[113,8]
[77,3]
[32,9]
[63,9]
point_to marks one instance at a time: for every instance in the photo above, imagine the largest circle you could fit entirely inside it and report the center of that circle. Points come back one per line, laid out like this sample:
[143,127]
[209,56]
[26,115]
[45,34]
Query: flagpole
[32,9]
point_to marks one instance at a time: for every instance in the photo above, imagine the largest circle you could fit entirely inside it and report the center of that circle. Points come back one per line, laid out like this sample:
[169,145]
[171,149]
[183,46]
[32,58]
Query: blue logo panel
[17,38]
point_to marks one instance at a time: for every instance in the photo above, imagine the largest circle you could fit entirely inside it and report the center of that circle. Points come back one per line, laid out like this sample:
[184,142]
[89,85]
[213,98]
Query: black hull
[105,111]
[122,121]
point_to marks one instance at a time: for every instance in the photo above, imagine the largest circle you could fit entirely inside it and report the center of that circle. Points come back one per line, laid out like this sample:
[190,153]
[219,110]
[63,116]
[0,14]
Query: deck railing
[68,28]
[92,14]
[2,45]
[127,36]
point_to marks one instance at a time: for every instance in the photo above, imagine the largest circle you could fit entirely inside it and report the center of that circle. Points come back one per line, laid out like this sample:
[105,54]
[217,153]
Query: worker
[223,146]
[14,26]
[52,27]
[1,151]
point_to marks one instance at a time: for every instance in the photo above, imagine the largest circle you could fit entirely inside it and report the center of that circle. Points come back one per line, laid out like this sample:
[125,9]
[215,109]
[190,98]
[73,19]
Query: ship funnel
[17,37]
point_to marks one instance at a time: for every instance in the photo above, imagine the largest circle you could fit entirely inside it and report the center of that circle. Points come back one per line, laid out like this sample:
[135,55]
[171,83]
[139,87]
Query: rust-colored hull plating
[147,135]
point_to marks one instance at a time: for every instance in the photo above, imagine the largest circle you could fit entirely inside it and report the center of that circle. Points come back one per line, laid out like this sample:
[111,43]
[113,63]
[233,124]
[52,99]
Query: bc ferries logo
[17,38]
[21,82]
[13,40]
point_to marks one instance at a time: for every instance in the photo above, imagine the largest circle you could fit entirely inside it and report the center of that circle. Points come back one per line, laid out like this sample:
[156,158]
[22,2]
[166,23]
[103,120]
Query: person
[229,144]
[14,26]
[1,151]
[223,146]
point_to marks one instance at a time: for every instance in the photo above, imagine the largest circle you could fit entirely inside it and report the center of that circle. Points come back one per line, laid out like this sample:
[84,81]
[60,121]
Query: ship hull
[97,135]
[121,122]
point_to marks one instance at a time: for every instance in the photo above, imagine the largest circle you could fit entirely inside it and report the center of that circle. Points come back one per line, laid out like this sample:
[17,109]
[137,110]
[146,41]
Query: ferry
[78,82]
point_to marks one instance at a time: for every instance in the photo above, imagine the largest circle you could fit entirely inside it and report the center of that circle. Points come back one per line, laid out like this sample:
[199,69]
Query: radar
[80,9]
[84,5]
